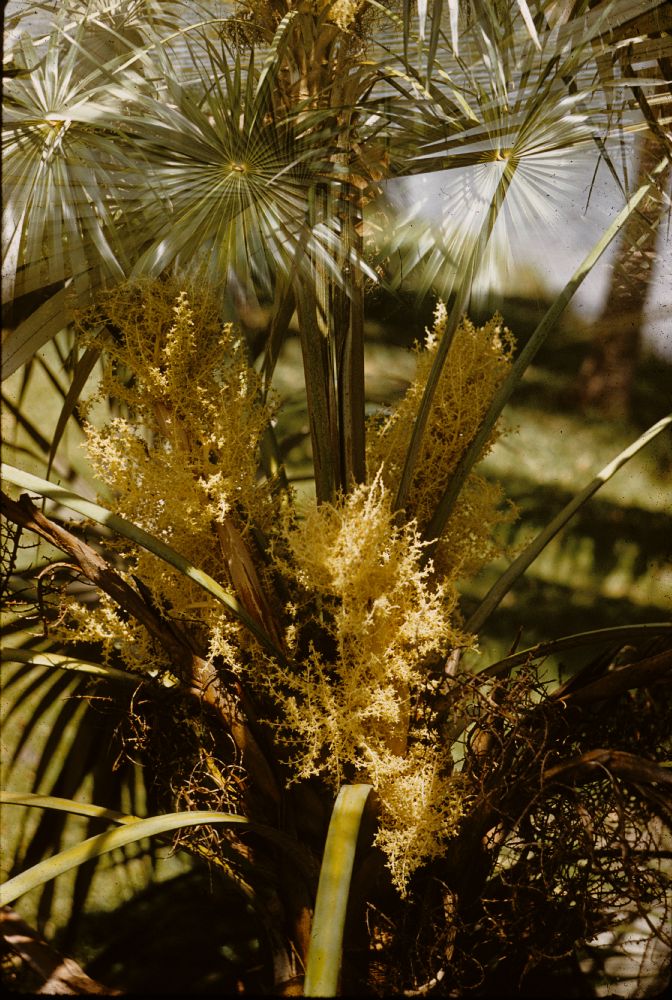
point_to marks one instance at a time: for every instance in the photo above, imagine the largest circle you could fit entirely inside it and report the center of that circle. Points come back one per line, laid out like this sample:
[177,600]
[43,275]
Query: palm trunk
[606,377]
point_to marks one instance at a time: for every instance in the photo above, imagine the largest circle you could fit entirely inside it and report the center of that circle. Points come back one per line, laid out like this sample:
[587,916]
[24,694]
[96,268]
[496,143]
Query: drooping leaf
[131,531]
[103,843]
[536,546]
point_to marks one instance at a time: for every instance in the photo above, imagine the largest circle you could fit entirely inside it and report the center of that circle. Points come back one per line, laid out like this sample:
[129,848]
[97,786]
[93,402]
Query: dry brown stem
[619,680]
[58,975]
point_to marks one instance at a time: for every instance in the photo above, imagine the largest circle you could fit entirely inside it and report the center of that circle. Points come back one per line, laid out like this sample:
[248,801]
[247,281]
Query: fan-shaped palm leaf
[500,121]
[73,756]
[233,182]
[65,184]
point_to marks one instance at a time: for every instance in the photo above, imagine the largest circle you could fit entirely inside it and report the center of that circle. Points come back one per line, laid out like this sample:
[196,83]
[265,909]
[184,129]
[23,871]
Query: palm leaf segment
[499,121]
[232,177]
[130,165]
[64,178]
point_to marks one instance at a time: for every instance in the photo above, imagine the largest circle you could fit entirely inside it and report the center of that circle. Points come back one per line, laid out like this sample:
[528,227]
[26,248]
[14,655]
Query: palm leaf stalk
[111,520]
[527,557]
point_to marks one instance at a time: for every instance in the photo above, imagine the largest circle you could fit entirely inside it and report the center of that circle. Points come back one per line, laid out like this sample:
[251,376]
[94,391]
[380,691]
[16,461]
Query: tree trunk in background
[607,373]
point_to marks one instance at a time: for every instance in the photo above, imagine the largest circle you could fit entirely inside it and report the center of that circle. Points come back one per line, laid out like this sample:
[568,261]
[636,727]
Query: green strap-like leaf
[530,553]
[66,805]
[462,295]
[287,844]
[605,636]
[60,662]
[103,843]
[445,507]
[33,333]
[326,938]
[529,23]
[82,370]
[73,501]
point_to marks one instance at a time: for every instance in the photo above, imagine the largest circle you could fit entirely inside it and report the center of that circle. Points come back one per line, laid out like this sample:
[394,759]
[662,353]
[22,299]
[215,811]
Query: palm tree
[607,373]
[174,166]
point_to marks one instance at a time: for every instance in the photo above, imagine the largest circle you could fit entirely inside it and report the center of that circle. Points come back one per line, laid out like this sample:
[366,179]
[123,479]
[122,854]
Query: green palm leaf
[326,939]
[69,747]
[512,125]
[58,661]
[103,843]
[537,545]
[65,181]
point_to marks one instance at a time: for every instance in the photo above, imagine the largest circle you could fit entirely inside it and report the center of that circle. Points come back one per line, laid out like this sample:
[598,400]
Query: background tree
[606,376]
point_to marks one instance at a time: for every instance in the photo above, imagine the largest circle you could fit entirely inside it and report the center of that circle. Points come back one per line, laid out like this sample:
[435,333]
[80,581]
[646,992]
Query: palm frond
[143,538]
[103,843]
[66,184]
[67,747]
[502,114]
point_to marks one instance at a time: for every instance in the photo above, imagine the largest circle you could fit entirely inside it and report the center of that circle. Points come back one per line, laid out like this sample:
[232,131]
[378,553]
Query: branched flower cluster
[386,612]
[478,362]
[367,610]
[182,456]
[349,715]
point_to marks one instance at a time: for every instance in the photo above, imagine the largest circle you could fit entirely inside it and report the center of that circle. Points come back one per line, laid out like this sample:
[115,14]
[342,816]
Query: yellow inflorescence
[478,361]
[183,456]
[339,12]
[352,717]
[367,612]
[421,805]
[343,12]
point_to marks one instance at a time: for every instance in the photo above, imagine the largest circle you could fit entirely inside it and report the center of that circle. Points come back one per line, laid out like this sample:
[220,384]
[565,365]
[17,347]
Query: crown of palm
[179,146]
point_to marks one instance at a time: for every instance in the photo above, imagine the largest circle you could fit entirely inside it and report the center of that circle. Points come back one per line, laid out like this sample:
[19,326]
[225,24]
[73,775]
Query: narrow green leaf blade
[43,324]
[530,553]
[529,22]
[83,369]
[604,636]
[66,805]
[103,843]
[326,939]
[58,661]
